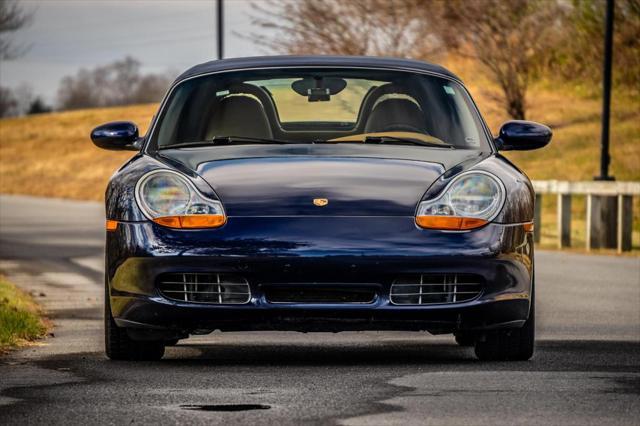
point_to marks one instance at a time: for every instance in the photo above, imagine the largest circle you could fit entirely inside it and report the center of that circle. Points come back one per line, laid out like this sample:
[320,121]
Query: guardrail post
[537,218]
[601,221]
[625,218]
[564,220]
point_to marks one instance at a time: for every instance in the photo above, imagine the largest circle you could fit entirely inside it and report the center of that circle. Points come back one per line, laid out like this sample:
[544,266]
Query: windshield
[320,106]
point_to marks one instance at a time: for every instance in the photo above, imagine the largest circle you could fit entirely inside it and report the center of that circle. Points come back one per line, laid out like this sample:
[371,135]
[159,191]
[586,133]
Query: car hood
[283,181]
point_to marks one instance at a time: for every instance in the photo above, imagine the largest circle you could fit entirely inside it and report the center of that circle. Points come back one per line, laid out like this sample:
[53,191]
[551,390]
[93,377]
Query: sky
[66,35]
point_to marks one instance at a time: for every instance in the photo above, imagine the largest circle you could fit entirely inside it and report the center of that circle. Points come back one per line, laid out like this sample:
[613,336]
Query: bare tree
[24,96]
[15,102]
[512,40]
[8,103]
[509,38]
[355,27]
[12,18]
[76,92]
[117,83]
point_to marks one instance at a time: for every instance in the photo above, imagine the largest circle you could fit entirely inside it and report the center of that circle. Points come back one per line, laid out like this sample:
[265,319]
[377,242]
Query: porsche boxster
[319,194]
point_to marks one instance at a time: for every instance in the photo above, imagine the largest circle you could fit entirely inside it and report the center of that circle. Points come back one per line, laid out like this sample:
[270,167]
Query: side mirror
[520,135]
[117,136]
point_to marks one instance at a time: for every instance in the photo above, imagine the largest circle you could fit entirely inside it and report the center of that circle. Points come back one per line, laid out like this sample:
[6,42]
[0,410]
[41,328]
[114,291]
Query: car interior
[411,106]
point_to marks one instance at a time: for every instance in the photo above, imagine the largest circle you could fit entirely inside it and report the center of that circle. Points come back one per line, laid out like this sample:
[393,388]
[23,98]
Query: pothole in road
[225,407]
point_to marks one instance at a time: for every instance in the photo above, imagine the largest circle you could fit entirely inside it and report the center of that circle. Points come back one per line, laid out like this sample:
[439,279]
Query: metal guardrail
[609,211]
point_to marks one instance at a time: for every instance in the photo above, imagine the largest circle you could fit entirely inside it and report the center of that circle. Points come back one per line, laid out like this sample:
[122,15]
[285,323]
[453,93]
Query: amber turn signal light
[192,221]
[450,223]
[112,225]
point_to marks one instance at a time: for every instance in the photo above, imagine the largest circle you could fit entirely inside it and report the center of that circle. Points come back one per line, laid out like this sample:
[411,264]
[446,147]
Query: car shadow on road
[551,355]
[343,354]
[578,355]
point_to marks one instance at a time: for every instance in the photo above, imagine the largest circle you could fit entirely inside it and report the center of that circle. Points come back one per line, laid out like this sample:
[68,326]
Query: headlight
[170,200]
[471,200]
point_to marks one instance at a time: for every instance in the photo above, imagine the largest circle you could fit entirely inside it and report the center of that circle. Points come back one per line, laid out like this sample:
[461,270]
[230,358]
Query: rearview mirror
[520,135]
[319,89]
[118,135]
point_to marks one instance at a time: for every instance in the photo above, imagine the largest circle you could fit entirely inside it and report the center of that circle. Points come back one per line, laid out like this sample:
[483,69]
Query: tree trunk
[515,90]
[516,108]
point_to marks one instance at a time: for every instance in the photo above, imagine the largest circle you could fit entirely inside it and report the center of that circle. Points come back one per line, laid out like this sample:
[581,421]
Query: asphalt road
[586,369]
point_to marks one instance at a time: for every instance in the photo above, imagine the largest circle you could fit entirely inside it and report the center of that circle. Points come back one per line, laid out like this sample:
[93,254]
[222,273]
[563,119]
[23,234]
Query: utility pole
[605,159]
[220,28]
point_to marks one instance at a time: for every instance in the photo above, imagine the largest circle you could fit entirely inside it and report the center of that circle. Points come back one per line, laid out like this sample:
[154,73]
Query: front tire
[514,344]
[118,344]
[465,339]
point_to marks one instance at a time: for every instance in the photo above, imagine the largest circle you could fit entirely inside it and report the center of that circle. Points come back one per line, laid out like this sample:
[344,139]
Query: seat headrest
[396,114]
[240,115]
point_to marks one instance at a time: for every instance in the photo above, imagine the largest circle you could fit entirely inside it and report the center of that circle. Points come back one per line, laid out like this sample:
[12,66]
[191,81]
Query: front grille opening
[205,288]
[313,293]
[427,289]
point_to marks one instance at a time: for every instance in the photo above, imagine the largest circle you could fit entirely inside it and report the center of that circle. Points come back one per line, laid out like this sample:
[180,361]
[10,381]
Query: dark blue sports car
[319,194]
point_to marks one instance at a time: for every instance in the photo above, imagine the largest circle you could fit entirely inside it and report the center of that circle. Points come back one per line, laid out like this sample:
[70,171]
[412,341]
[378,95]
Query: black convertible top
[293,61]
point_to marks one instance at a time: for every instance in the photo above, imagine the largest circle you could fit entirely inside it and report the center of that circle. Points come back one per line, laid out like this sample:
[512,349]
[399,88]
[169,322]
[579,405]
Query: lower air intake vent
[205,288]
[427,289]
[315,293]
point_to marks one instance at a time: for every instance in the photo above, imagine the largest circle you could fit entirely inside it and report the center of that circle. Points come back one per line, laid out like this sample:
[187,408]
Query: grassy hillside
[51,154]
[574,153]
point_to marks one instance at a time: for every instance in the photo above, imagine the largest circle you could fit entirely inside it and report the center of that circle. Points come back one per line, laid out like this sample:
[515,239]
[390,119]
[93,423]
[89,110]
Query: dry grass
[51,155]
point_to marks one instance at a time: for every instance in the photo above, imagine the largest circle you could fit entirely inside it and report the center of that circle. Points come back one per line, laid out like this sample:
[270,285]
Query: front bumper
[310,250]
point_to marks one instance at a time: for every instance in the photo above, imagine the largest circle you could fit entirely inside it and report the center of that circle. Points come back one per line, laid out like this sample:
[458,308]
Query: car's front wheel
[118,344]
[465,339]
[512,344]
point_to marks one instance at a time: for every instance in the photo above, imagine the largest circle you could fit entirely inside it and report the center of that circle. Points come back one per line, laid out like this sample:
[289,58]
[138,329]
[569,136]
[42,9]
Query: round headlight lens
[475,195]
[469,201]
[171,200]
[165,194]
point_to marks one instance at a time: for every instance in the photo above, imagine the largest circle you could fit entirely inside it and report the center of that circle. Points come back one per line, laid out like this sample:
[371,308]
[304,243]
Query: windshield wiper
[408,141]
[233,140]
[385,140]
[224,140]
